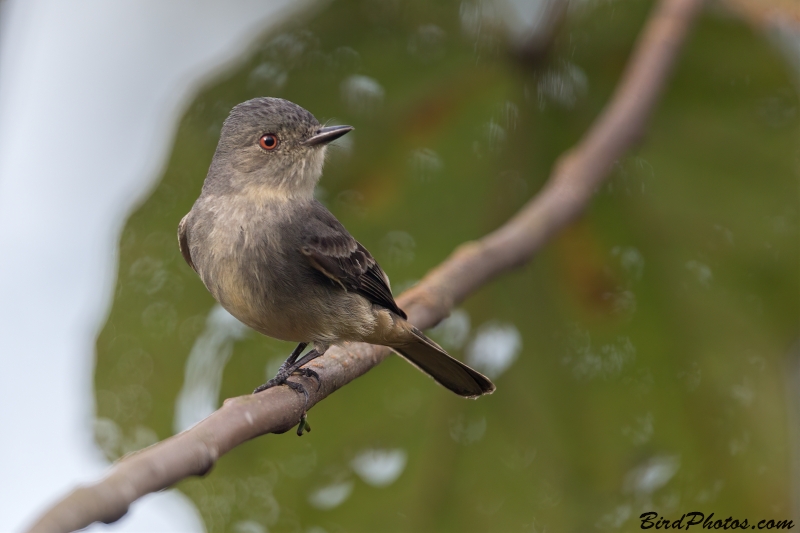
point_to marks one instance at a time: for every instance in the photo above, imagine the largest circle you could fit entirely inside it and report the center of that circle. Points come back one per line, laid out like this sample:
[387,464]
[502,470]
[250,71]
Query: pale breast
[245,261]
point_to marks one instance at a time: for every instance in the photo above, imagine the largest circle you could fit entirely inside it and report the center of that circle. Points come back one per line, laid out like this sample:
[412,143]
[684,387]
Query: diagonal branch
[575,176]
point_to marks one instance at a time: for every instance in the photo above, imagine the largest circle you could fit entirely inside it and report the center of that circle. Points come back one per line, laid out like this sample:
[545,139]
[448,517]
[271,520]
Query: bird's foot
[299,388]
[294,366]
[307,372]
[282,380]
[288,368]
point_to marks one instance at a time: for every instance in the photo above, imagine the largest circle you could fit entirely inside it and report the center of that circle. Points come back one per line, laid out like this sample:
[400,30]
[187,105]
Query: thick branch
[575,176]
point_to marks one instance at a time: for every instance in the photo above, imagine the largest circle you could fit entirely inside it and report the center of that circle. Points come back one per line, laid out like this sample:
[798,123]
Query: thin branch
[575,177]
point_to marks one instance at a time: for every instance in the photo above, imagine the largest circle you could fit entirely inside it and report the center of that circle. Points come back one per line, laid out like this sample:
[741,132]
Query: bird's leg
[285,371]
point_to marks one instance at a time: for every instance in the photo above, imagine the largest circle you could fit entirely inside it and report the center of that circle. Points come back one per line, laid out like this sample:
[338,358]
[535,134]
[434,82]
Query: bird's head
[273,145]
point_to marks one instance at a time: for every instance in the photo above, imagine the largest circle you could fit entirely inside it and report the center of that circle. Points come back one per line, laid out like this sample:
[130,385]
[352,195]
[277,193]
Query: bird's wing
[183,242]
[331,250]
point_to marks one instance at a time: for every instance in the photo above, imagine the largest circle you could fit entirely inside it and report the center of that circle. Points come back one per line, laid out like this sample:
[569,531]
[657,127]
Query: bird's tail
[449,372]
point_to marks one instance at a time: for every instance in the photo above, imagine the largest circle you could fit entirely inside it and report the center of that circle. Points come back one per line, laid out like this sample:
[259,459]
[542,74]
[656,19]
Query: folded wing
[331,250]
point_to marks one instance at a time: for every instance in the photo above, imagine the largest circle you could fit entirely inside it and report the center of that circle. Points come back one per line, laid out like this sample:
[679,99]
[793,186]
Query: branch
[575,176]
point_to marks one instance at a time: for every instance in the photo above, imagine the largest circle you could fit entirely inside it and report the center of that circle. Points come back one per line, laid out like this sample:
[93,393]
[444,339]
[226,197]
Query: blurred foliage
[654,332]
[765,13]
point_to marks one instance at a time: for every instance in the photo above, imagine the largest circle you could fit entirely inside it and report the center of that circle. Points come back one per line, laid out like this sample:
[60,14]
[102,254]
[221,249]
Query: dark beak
[326,135]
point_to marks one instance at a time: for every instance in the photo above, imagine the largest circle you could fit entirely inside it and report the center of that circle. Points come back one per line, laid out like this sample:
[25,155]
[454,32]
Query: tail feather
[449,372]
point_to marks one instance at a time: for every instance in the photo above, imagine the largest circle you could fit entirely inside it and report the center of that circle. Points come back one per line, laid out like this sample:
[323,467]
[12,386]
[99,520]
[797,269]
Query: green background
[655,364]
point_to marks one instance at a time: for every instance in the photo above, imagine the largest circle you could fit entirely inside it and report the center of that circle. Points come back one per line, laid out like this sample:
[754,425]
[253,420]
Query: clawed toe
[297,387]
[268,385]
[307,372]
[275,382]
[294,366]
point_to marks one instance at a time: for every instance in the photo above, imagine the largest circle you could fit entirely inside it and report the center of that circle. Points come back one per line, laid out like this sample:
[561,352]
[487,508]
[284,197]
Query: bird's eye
[268,142]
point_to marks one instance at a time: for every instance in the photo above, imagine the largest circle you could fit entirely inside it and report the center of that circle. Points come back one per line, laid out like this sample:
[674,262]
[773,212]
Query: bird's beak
[326,135]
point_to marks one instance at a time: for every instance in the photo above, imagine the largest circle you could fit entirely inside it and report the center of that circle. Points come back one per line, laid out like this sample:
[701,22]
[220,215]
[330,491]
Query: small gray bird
[280,262]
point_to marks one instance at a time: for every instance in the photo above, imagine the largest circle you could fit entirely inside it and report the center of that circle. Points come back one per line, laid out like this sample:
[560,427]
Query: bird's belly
[269,323]
[306,313]
[255,306]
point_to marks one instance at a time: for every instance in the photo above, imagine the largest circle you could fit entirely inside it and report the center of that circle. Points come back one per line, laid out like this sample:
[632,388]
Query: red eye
[268,141]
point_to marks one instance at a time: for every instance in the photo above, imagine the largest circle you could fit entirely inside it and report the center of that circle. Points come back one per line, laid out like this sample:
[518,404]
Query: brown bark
[574,178]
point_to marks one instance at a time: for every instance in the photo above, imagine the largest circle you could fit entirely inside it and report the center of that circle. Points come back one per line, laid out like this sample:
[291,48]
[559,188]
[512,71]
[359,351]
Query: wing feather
[331,250]
[183,242]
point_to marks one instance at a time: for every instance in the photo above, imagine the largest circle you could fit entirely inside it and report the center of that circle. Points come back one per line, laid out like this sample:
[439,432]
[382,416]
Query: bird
[279,261]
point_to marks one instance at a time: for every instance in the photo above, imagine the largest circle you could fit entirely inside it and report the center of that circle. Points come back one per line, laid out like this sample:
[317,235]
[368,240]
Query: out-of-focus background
[646,360]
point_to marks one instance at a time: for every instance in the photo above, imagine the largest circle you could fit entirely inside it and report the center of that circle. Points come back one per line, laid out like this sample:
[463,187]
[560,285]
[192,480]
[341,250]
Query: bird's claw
[268,385]
[307,372]
[291,384]
[293,366]
[297,387]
